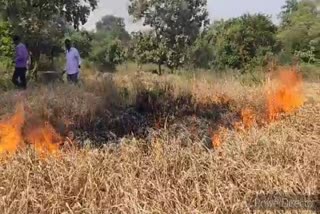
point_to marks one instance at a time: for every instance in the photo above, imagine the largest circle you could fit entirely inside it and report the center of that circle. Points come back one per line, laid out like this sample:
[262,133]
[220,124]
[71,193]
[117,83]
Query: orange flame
[217,136]
[10,132]
[216,140]
[43,137]
[248,118]
[287,97]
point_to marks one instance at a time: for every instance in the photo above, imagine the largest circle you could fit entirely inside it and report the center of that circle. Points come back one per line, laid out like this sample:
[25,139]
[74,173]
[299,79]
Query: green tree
[202,51]
[148,49]
[43,23]
[113,25]
[82,40]
[109,43]
[107,54]
[301,37]
[243,41]
[176,25]
[35,13]
[289,7]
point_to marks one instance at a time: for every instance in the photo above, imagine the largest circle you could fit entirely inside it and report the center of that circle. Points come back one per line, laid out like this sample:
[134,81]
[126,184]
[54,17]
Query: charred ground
[159,163]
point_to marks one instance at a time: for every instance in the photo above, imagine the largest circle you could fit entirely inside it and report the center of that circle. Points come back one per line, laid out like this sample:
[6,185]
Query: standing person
[21,59]
[73,62]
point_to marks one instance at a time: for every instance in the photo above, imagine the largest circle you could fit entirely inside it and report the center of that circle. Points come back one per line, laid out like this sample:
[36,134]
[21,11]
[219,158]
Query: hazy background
[217,8]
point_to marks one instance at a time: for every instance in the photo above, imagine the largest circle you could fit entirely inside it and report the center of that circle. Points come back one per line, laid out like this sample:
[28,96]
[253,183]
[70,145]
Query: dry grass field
[149,144]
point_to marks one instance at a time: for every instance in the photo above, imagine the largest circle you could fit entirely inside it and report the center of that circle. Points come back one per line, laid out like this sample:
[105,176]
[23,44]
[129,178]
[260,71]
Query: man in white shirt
[73,62]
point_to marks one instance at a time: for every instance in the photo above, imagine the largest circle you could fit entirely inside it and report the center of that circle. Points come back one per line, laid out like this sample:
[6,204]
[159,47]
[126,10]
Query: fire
[248,118]
[217,136]
[10,132]
[16,131]
[216,140]
[287,97]
[44,139]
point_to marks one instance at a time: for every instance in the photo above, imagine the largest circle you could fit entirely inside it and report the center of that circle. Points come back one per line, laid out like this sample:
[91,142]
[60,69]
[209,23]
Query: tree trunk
[36,58]
[159,69]
[52,58]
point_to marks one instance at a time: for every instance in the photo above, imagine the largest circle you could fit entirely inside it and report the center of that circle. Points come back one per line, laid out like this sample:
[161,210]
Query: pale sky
[217,8]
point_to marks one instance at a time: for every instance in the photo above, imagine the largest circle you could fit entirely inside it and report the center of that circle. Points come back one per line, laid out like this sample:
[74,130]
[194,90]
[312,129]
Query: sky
[218,9]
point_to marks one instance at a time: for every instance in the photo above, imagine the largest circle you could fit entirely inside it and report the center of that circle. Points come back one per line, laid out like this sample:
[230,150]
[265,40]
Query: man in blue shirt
[21,60]
[73,62]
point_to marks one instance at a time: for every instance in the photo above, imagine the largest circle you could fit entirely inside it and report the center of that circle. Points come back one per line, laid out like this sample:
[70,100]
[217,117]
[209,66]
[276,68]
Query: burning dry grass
[287,96]
[284,95]
[15,131]
[11,132]
[163,177]
[161,173]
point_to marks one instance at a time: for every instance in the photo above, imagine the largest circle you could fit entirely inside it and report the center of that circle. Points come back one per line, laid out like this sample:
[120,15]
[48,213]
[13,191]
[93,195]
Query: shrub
[107,54]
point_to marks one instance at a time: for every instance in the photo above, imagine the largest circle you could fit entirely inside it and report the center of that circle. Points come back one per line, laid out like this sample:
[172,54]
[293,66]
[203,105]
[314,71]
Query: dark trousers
[72,78]
[19,78]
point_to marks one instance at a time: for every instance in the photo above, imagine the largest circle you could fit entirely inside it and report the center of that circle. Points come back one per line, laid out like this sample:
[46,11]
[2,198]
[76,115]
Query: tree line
[179,34]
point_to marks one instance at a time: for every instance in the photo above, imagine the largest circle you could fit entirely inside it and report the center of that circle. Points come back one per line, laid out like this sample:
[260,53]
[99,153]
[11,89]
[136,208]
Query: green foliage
[82,40]
[176,25]
[34,14]
[202,52]
[244,41]
[114,26]
[289,7]
[108,43]
[43,23]
[300,33]
[178,34]
[6,46]
[147,49]
[6,43]
[6,55]
[107,54]
[46,40]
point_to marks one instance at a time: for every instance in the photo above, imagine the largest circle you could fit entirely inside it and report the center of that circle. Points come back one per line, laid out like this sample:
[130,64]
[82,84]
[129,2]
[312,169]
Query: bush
[244,41]
[6,64]
[202,53]
[82,41]
[107,54]
[6,43]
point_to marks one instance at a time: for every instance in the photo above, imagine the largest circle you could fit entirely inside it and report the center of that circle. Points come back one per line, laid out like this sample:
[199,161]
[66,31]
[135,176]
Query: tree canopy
[43,24]
[287,9]
[112,25]
[108,42]
[179,33]
[175,24]
[300,35]
[242,41]
[35,13]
